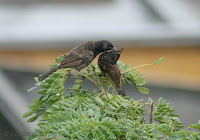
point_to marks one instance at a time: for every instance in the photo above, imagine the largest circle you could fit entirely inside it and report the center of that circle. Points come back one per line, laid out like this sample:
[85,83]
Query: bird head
[116,55]
[105,45]
[110,56]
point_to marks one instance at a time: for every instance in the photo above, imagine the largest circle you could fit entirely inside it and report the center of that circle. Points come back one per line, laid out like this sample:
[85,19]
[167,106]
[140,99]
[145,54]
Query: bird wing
[77,57]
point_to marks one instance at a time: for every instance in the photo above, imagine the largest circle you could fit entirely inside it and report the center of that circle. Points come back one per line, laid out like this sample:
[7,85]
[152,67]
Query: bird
[81,56]
[107,63]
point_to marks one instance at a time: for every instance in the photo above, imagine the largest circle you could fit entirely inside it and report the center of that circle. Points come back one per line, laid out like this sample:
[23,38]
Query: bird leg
[69,74]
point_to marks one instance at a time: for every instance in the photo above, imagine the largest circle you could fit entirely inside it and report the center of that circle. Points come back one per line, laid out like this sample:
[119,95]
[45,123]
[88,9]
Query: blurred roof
[138,21]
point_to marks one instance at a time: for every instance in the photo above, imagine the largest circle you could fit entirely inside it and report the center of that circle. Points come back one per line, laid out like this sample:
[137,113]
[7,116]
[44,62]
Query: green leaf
[150,100]
[33,106]
[90,112]
[45,97]
[160,101]
[112,136]
[63,138]
[36,79]
[55,86]
[143,90]
[137,75]
[133,72]
[157,135]
[160,60]
[78,81]
[27,114]
[42,91]
[49,80]
[46,85]
[140,81]
[54,91]
[125,105]
[32,119]
[109,111]
[76,86]
[90,76]
[50,135]
[53,98]
[31,89]
[88,70]
[40,112]
[97,115]
[133,114]
[99,101]
[36,101]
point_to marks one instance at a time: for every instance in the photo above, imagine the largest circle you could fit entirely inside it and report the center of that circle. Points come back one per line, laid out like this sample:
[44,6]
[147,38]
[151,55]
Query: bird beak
[120,51]
[114,49]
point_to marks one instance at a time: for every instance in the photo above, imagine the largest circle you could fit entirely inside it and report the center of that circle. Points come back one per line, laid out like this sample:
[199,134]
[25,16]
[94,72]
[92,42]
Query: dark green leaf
[27,114]
[46,85]
[40,112]
[45,97]
[53,98]
[42,91]
[32,119]
[55,86]
[90,76]
[49,80]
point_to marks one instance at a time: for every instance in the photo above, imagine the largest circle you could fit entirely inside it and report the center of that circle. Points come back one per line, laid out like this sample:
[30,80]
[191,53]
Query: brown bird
[81,56]
[107,63]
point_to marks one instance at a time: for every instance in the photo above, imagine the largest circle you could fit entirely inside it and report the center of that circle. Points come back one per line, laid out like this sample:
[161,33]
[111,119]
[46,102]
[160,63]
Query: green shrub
[100,115]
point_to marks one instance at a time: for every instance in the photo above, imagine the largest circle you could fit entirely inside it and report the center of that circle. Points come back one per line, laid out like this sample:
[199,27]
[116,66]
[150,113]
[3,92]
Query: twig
[151,113]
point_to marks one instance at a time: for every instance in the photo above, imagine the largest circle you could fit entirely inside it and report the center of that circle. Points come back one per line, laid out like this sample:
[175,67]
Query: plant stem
[143,65]
[151,114]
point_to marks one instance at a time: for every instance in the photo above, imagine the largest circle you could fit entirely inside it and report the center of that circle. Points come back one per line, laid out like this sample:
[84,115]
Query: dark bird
[81,56]
[107,63]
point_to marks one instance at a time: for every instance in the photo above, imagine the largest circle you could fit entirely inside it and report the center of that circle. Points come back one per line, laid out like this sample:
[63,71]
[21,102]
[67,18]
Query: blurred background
[34,32]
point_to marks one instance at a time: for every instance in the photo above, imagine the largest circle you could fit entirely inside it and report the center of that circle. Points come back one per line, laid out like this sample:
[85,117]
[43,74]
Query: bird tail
[44,76]
[120,90]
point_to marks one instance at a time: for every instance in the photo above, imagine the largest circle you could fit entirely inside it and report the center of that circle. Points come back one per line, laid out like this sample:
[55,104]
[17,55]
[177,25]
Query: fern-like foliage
[102,114]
